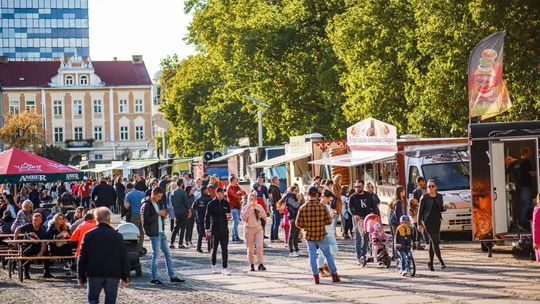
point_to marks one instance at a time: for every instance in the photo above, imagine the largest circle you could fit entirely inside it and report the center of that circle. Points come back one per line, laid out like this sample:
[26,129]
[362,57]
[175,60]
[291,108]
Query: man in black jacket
[103,259]
[104,194]
[218,213]
[361,204]
[199,209]
[153,214]
[275,196]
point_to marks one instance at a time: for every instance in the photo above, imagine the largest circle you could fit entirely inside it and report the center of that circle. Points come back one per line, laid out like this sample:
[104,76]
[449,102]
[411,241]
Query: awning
[103,168]
[135,165]
[430,150]
[349,160]
[280,160]
[228,155]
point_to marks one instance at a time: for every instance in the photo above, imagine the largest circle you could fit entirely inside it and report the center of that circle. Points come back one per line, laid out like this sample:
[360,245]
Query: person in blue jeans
[275,196]
[103,260]
[313,218]
[403,243]
[153,213]
[361,204]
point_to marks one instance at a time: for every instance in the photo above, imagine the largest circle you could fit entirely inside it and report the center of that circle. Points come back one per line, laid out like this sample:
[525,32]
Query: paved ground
[471,277]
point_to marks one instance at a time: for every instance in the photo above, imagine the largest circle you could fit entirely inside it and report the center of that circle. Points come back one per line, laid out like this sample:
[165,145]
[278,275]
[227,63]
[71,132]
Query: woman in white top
[326,198]
[251,215]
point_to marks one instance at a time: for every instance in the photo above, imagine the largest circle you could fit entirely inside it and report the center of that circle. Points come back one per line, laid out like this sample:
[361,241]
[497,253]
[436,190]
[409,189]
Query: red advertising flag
[488,95]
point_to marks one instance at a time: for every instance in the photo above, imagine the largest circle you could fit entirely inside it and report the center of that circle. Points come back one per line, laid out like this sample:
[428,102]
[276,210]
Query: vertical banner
[488,95]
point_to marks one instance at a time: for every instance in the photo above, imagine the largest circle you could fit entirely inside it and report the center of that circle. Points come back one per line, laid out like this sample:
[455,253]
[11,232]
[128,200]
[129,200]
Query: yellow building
[95,108]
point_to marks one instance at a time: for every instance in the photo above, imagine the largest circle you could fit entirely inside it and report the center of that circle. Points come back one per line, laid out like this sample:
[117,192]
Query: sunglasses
[431,186]
[358,187]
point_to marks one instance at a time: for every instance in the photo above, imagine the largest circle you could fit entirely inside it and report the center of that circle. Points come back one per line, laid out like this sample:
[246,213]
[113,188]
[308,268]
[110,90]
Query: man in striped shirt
[312,217]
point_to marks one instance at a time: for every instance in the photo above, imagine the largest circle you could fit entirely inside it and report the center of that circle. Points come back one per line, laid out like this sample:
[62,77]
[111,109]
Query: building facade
[43,30]
[98,109]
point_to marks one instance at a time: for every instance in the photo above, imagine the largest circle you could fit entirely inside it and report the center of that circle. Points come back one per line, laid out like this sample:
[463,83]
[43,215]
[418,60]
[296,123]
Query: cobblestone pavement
[471,277]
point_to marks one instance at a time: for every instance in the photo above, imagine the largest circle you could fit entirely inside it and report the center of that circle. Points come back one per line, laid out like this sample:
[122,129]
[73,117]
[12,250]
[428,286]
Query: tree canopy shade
[324,65]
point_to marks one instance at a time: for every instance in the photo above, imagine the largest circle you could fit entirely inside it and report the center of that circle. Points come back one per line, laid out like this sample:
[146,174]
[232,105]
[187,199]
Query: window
[83,80]
[97,106]
[98,156]
[69,80]
[98,133]
[77,133]
[14,106]
[139,106]
[124,133]
[77,108]
[139,132]
[123,106]
[57,108]
[30,106]
[58,135]
[413,175]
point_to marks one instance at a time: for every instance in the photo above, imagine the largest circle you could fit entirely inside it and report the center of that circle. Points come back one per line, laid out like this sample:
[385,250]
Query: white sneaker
[293,254]
[404,273]
[215,269]
[226,272]
[299,253]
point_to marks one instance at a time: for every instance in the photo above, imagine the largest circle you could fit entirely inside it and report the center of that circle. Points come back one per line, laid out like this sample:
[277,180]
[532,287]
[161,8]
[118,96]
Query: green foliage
[323,65]
[56,153]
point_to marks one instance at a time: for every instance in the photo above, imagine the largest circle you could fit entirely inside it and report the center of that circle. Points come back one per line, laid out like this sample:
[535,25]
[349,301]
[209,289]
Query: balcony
[82,143]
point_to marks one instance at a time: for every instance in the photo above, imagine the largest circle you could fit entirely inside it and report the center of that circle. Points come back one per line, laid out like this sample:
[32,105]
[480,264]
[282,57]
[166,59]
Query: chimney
[137,58]
[4,59]
[115,58]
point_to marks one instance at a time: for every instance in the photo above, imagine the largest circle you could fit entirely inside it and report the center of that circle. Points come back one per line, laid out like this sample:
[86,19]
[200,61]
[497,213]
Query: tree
[23,131]
[55,153]
[277,51]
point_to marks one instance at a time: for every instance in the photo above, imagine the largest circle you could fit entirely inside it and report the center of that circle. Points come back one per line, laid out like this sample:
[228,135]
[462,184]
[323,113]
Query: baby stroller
[378,241]
[130,233]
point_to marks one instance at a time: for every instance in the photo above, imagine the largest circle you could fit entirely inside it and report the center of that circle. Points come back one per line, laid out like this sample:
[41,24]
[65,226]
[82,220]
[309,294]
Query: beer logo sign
[72,176]
[26,167]
[32,178]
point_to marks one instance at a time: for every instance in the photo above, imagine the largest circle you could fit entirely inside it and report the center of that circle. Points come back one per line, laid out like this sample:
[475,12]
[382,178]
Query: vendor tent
[18,166]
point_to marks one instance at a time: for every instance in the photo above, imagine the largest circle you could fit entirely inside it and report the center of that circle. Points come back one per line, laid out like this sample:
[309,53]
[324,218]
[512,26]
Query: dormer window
[83,80]
[69,80]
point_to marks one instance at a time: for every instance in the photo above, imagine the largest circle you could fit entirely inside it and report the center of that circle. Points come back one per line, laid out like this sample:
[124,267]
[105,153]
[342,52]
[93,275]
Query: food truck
[291,167]
[238,161]
[496,182]
[374,154]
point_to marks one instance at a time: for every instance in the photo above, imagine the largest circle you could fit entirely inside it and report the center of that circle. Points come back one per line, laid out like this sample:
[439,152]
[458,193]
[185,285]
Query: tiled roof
[39,73]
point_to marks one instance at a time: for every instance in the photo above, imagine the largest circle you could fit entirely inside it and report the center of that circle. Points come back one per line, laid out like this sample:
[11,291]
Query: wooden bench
[19,260]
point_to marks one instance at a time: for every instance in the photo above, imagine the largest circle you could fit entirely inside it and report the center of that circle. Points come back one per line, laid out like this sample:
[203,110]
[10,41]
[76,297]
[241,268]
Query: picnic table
[20,260]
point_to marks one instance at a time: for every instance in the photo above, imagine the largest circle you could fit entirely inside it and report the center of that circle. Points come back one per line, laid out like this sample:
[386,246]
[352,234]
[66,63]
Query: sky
[154,29]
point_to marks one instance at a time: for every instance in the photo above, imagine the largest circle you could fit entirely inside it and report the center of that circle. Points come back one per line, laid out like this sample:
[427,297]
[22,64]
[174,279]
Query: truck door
[498,188]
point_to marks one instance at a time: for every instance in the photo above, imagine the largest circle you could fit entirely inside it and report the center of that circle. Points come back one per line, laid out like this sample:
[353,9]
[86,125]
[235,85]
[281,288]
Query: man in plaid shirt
[312,217]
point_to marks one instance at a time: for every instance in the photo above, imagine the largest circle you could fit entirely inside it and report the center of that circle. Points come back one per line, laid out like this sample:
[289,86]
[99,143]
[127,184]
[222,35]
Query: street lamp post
[259,115]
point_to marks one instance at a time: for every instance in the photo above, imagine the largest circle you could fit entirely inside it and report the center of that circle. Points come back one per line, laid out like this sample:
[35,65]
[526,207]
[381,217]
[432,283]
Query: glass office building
[42,30]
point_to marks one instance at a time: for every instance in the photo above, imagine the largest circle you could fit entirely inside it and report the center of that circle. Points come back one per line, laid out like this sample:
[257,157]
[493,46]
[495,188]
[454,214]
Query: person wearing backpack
[397,209]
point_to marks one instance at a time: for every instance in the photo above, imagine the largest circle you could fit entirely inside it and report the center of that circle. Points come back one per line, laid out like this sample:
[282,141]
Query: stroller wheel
[143,252]
[387,261]
[363,261]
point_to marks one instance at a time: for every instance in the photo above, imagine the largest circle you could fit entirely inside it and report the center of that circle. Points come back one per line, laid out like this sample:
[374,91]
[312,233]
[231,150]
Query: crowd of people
[208,205]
